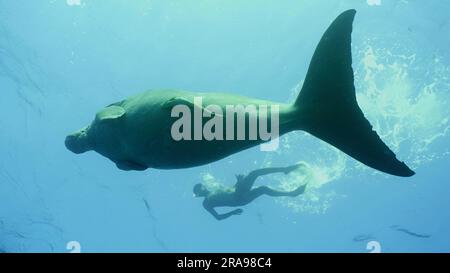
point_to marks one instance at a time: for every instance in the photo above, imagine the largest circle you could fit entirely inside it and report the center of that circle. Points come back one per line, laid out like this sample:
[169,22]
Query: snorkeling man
[242,193]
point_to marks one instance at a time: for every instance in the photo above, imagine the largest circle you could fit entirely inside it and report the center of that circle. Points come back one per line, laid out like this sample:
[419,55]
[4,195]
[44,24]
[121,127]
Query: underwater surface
[62,60]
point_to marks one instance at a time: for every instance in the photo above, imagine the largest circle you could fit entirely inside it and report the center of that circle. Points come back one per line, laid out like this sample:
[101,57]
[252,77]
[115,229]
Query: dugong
[136,133]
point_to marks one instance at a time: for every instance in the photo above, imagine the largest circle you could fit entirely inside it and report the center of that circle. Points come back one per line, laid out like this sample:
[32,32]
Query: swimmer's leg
[255,193]
[246,183]
[289,169]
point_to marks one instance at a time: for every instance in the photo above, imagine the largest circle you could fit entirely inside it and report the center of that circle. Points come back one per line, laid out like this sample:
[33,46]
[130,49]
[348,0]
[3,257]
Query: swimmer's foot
[299,190]
[237,212]
[289,169]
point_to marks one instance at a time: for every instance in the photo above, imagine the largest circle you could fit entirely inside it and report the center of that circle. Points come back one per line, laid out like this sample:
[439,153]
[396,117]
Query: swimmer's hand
[229,214]
[289,169]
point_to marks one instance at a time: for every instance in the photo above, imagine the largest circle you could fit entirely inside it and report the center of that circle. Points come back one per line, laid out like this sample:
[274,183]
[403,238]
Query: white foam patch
[211,182]
[411,113]
[374,2]
[315,199]
[408,115]
[73,2]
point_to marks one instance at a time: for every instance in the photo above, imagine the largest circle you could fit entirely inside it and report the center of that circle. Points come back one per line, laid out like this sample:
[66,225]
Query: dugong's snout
[78,142]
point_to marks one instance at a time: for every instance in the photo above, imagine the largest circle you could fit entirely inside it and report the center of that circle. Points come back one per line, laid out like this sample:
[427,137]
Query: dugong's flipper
[130,166]
[112,112]
[327,102]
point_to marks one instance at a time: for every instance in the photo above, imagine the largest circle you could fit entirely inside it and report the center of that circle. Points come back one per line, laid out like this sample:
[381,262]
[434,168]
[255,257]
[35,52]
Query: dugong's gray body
[136,133]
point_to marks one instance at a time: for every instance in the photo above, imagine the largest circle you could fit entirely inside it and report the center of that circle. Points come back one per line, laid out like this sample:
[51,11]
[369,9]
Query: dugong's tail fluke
[327,102]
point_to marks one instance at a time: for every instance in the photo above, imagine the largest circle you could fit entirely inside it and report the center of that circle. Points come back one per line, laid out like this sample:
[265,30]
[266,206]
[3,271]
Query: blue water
[60,62]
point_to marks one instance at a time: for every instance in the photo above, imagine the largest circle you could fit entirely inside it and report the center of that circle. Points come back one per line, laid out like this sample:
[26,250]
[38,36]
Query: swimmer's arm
[221,216]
